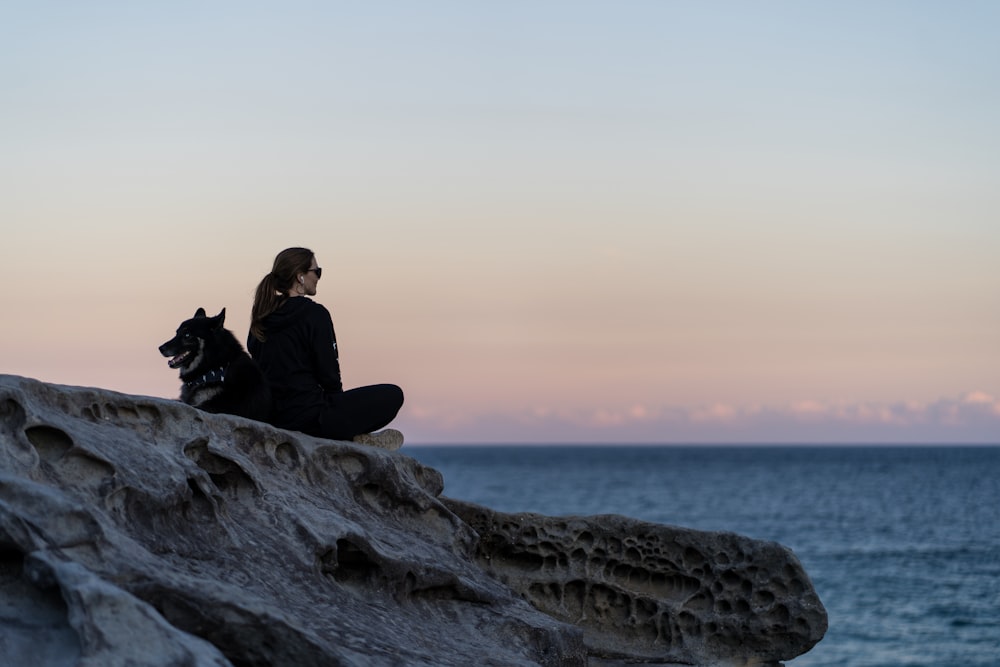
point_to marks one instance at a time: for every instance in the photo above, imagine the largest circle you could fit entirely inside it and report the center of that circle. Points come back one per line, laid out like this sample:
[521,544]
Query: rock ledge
[140,531]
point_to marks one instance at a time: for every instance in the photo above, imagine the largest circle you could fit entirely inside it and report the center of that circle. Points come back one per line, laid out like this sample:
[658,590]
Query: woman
[292,340]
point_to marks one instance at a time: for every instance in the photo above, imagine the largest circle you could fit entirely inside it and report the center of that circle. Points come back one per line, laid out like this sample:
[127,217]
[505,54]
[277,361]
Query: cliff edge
[141,531]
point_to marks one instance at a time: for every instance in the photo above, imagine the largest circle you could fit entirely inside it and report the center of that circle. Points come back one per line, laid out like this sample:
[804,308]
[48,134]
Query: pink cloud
[973,417]
[978,397]
[718,412]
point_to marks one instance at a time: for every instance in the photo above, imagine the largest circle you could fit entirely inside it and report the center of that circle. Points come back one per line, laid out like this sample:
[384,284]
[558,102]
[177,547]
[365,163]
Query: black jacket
[300,361]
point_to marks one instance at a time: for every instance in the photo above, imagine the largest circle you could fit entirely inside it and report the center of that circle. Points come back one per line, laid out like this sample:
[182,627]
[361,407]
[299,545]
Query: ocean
[901,543]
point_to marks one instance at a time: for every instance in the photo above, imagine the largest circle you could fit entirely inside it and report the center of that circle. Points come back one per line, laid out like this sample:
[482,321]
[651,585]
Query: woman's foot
[389,438]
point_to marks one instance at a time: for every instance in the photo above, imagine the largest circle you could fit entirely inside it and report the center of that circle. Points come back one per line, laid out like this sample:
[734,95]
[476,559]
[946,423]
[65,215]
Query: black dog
[218,374]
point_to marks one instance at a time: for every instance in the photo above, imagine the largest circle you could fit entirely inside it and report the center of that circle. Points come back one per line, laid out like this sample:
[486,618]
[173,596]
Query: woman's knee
[396,393]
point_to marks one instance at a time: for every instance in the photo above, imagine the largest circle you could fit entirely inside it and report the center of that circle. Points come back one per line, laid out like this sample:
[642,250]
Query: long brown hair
[273,289]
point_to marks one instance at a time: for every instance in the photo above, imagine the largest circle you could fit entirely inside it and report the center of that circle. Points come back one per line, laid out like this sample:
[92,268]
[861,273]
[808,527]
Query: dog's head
[187,349]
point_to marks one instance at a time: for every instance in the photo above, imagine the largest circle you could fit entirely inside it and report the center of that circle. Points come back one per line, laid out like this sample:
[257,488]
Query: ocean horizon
[901,541]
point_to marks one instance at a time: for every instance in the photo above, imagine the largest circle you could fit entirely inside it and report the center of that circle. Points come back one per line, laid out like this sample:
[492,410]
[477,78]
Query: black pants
[360,410]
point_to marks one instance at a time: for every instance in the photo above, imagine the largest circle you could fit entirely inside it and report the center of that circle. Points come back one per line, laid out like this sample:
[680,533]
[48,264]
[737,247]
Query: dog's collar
[214,376]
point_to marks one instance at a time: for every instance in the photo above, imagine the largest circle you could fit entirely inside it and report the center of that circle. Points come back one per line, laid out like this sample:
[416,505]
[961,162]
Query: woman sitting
[293,341]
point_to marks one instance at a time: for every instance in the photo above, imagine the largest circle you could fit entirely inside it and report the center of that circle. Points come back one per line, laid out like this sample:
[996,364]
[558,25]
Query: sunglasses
[318,271]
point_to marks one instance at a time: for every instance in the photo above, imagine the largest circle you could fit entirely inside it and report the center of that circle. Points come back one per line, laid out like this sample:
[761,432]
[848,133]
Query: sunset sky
[659,221]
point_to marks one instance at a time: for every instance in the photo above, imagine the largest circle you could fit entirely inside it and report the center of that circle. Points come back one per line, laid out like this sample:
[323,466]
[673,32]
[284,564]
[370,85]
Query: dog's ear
[200,312]
[219,319]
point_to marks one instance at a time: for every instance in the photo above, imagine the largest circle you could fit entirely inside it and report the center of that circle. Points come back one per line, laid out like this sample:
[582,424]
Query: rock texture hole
[50,442]
[354,566]
[227,475]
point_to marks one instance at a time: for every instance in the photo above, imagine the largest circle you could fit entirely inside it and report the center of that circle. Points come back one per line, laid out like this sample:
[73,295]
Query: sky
[608,222]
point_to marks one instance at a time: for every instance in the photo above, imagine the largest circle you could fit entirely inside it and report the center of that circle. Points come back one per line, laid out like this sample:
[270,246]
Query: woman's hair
[273,289]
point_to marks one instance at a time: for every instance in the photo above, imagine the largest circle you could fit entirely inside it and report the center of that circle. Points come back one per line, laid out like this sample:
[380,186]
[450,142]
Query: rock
[142,531]
[644,591]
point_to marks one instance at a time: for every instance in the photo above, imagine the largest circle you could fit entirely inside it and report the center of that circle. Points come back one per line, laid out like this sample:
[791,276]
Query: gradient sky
[547,221]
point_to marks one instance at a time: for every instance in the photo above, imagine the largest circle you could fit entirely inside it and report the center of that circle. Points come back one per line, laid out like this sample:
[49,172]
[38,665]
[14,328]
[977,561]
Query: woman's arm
[324,349]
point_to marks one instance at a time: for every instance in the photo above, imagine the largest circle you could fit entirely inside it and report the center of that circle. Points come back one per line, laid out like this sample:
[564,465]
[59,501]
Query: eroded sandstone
[653,592]
[141,531]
